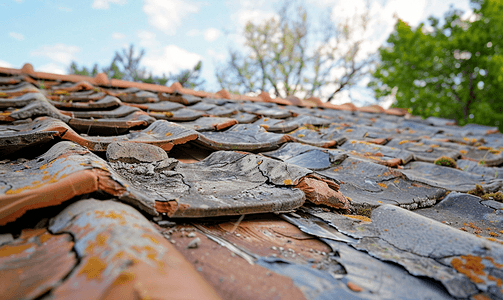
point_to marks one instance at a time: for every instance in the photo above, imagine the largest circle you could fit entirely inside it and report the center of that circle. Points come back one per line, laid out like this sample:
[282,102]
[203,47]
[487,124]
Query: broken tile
[225,183]
[370,184]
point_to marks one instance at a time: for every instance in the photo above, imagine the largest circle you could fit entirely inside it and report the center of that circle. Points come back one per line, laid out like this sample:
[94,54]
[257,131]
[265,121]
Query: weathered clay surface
[468,213]
[243,137]
[183,114]
[306,156]
[106,102]
[225,183]
[34,263]
[380,154]
[342,165]
[447,178]
[371,184]
[45,181]
[160,133]
[210,124]
[120,253]
[135,153]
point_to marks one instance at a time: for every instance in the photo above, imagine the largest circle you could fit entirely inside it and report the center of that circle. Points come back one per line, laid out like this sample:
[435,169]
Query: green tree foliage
[454,70]
[285,55]
[126,66]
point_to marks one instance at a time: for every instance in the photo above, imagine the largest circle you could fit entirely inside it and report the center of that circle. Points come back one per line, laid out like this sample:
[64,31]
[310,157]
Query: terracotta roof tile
[337,177]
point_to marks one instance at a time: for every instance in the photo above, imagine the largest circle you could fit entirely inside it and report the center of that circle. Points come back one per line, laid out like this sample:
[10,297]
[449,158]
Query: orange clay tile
[124,257]
[34,263]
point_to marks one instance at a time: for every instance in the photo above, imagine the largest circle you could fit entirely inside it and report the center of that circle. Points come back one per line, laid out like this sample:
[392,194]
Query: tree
[452,70]
[126,66]
[281,56]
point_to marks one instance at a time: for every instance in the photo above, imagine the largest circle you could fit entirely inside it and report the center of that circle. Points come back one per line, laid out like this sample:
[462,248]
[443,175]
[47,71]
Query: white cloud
[18,1]
[52,68]
[147,38]
[105,4]
[59,53]
[118,36]
[218,56]
[172,59]
[211,34]
[256,16]
[167,15]
[193,32]
[5,64]
[16,35]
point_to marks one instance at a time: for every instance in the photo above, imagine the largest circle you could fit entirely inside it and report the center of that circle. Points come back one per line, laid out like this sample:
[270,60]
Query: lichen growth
[446,162]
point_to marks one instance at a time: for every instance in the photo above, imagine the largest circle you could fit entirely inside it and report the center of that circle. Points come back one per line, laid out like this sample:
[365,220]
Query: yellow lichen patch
[100,241]
[259,162]
[93,268]
[42,167]
[150,237]
[483,148]
[358,217]
[288,182]
[349,130]
[354,142]
[46,179]
[45,237]
[168,134]
[403,142]
[463,151]
[264,126]
[9,250]
[124,277]
[396,181]
[471,266]
[382,185]
[110,215]
[301,135]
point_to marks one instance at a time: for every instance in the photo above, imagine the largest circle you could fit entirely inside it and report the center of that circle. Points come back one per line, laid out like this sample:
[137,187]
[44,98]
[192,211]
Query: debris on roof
[115,189]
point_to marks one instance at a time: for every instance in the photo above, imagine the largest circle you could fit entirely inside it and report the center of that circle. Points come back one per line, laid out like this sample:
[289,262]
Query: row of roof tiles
[102,80]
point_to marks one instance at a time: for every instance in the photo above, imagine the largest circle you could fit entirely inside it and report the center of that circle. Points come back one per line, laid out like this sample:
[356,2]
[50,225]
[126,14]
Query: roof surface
[122,190]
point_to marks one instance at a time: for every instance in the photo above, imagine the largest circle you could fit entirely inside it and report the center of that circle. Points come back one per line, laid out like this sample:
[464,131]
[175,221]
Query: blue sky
[174,33]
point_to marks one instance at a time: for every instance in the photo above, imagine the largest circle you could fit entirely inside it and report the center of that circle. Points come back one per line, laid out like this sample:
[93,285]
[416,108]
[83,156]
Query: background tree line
[450,68]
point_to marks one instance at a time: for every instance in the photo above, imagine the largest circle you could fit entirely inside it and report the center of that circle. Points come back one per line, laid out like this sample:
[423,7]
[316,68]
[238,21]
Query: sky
[175,34]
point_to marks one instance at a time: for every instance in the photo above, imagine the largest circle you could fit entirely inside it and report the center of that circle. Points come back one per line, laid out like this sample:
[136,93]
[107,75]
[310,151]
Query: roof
[116,189]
